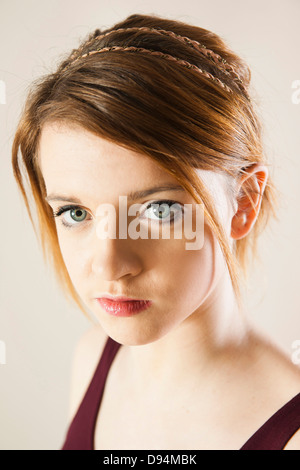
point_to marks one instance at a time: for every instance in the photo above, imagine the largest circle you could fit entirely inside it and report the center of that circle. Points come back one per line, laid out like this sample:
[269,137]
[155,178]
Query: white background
[38,326]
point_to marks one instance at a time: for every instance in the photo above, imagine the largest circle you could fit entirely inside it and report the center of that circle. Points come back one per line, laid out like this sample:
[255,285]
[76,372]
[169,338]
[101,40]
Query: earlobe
[240,226]
[250,192]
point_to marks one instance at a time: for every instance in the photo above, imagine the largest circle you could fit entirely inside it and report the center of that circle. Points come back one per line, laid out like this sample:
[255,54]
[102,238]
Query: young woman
[160,113]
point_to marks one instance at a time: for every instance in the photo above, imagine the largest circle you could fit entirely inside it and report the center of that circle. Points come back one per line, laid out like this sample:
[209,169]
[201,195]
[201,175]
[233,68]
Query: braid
[220,62]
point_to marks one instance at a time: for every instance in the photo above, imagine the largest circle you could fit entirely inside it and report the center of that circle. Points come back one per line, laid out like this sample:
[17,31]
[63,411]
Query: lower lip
[124,309]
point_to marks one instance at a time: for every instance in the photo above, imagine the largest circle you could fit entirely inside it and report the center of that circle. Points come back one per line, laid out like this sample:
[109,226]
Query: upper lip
[120,298]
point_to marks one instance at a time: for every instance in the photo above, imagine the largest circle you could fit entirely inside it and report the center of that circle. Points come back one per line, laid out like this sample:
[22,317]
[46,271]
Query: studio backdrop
[39,328]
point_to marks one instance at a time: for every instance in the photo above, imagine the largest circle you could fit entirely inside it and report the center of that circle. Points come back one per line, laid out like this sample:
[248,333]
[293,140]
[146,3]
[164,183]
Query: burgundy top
[273,435]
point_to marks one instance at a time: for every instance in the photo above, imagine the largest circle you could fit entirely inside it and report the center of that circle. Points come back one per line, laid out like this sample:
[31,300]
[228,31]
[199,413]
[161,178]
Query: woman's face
[178,281]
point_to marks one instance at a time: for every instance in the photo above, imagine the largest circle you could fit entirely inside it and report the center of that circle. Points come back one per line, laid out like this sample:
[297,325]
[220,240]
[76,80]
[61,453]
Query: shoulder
[276,367]
[294,442]
[86,356]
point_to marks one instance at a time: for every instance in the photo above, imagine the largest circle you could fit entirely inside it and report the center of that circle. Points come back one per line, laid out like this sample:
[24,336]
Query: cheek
[184,277]
[174,275]
[72,256]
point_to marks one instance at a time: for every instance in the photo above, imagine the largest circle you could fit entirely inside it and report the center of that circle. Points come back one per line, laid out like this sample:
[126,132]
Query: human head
[180,119]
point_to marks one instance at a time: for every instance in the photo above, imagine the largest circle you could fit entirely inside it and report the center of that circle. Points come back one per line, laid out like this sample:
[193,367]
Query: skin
[193,329]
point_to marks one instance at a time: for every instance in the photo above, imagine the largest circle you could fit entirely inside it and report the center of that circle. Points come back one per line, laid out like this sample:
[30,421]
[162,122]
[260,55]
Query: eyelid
[62,209]
[170,203]
[142,208]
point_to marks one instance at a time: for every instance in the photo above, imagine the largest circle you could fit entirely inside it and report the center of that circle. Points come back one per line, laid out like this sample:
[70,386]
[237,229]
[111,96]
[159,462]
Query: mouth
[119,298]
[123,308]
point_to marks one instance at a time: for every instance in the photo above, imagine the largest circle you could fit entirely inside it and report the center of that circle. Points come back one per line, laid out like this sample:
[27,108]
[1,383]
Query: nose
[114,258]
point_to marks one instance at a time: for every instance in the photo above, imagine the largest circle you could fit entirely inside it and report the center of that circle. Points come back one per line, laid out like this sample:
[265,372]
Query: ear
[248,203]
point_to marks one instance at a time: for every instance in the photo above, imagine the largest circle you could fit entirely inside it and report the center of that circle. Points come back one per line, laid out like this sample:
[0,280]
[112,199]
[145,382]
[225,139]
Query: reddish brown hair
[179,118]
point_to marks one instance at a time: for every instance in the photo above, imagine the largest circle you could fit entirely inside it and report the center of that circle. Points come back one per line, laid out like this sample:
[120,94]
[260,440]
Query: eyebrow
[132,196]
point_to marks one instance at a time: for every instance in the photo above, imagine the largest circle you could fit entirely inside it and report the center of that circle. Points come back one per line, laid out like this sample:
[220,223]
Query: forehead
[78,162]
[73,153]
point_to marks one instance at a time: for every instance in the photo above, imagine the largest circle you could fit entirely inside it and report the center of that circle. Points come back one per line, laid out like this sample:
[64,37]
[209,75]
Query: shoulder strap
[80,434]
[278,430]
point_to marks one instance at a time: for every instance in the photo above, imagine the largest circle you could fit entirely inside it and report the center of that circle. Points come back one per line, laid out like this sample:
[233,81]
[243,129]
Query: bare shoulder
[276,367]
[294,442]
[86,356]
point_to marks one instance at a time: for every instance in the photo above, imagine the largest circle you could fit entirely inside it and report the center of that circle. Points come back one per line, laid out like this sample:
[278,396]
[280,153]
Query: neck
[211,337]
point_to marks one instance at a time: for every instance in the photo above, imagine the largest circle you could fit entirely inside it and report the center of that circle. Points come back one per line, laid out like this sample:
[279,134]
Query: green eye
[73,215]
[162,210]
[80,213]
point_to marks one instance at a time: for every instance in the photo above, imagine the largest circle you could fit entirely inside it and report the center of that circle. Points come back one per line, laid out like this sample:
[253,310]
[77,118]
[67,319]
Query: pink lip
[123,308]
[119,298]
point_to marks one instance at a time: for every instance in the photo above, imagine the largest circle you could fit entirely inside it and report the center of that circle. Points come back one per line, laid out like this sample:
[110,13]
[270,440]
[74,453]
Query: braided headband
[216,58]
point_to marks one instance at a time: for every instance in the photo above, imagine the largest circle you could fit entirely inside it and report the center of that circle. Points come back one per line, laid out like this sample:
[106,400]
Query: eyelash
[64,209]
